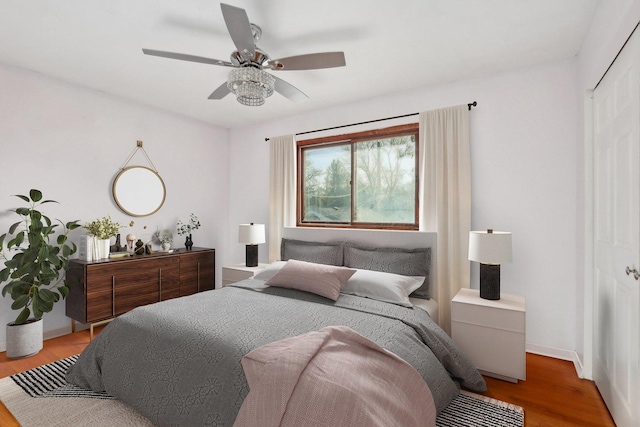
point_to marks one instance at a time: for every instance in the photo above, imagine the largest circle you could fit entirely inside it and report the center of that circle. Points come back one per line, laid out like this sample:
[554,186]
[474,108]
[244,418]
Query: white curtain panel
[445,198]
[282,190]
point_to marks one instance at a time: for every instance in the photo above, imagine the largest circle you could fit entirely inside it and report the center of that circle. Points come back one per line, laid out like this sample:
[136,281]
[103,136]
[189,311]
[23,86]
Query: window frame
[411,129]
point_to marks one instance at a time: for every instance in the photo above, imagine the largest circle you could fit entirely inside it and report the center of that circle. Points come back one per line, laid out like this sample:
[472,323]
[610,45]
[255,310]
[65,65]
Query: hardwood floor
[553,395]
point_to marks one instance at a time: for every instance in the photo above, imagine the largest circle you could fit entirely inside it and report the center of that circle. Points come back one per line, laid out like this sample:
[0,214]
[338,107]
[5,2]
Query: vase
[139,247]
[166,247]
[102,248]
[188,243]
[24,340]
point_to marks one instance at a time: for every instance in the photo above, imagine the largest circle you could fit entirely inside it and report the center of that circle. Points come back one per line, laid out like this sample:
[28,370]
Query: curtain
[282,190]
[445,198]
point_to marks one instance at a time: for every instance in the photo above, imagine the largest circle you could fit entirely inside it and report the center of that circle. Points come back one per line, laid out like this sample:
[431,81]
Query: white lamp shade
[251,234]
[490,248]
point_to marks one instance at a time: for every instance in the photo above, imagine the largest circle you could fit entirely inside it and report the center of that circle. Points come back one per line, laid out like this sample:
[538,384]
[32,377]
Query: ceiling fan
[248,80]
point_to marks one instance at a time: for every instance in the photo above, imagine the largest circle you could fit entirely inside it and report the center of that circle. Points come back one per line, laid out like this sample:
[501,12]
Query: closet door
[617,236]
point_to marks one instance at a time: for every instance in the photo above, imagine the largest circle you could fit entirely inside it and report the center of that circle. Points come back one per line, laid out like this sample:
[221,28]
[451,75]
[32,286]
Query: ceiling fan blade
[310,61]
[239,29]
[221,92]
[185,57]
[289,91]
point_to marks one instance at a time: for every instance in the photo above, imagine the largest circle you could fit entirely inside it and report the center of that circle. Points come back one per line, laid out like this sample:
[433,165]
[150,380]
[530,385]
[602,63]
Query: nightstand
[491,333]
[236,272]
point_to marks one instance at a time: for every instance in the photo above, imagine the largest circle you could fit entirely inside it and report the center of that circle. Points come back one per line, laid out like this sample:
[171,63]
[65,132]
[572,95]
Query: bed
[179,362]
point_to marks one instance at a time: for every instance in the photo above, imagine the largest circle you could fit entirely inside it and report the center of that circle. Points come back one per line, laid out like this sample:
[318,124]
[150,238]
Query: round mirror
[139,191]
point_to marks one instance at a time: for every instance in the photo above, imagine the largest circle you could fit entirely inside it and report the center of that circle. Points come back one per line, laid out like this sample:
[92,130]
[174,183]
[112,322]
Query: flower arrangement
[164,236]
[103,228]
[187,228]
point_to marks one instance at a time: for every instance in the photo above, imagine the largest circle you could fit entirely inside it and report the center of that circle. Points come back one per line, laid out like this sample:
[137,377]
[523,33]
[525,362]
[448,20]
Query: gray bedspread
[177,362]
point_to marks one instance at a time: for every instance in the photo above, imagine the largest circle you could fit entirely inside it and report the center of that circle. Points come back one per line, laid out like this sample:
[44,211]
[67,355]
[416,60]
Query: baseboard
[56,333]
[558,353]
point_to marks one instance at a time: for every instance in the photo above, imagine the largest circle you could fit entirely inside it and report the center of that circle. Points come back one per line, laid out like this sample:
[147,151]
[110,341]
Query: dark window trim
[352,138]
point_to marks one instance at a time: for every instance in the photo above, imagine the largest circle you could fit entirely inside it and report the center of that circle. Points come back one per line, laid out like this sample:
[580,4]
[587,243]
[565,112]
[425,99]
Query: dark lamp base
[252,255]
[490,281]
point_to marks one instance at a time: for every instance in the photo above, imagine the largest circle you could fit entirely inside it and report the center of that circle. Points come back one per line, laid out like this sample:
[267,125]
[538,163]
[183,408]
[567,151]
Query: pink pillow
[320,279]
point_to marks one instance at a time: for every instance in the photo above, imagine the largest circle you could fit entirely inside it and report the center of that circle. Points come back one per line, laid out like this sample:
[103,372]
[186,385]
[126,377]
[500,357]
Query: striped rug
[468,409]
[48,381]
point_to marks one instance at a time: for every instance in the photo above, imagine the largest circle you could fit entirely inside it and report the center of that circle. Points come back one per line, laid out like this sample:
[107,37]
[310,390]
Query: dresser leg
[73,326]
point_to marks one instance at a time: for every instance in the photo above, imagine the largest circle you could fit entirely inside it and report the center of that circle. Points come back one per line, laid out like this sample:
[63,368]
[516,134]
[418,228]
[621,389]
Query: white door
[617,236]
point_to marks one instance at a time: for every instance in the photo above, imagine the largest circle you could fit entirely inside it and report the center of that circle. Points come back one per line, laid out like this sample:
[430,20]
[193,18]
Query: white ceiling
[390,46]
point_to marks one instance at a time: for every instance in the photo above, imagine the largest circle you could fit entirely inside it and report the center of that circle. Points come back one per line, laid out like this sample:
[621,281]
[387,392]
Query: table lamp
[251,235]
[490,248]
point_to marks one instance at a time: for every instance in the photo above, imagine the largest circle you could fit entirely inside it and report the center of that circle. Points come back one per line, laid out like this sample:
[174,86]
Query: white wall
[523,135]
[70,142]
[612,24]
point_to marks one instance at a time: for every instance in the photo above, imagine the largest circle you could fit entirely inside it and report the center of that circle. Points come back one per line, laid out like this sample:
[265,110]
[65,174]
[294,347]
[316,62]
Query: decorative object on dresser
[185,229]
[131,241]
[491,333]
[237,272]
[490,248]
[102,229]
[138,190]
[251,235]
[34,275]
[165,238]
[102,290]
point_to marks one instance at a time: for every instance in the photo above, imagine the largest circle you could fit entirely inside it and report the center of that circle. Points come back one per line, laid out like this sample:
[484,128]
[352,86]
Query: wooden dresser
[102,290]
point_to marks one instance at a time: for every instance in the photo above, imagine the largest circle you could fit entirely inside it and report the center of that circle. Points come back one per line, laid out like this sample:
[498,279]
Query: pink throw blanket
[332,377]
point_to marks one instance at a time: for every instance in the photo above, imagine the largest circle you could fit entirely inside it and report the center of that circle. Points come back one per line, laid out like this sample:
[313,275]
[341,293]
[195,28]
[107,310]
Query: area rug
[41,396]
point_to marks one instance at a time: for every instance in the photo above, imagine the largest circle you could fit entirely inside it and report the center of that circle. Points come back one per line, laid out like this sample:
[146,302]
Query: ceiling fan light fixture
[250,85]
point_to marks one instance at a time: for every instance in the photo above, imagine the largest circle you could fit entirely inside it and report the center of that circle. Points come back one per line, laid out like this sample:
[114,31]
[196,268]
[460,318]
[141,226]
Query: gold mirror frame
[139,191]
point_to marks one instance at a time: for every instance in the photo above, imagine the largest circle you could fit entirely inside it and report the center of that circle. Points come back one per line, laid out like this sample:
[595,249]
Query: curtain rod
[471,104]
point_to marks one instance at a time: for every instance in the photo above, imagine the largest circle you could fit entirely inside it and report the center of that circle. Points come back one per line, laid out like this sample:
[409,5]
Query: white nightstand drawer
[489,317]
[507,313]
[499,353]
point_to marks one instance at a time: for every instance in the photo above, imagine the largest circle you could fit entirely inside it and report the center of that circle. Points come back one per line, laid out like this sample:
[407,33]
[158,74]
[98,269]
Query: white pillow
[385,287]
[270,270]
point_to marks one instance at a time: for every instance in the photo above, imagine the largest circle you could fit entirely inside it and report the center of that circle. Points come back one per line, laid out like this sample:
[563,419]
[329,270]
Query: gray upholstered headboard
[378,238]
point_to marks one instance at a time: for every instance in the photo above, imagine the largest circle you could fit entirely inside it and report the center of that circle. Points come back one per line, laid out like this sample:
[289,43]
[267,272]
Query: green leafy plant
[187,228]
[35,271]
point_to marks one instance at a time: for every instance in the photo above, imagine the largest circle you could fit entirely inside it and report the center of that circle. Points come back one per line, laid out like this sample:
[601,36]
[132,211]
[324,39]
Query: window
[364,180]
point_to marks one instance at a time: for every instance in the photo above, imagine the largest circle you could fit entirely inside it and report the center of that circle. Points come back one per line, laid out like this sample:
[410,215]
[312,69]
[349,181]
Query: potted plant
[165,238]
[34,274]
[185,229]
[102,229]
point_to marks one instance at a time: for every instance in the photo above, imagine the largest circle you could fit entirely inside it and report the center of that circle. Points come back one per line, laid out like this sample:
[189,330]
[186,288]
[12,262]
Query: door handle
[636,275]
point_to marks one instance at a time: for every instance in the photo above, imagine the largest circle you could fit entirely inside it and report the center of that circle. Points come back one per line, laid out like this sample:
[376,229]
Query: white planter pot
[102,248]
[24,340]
